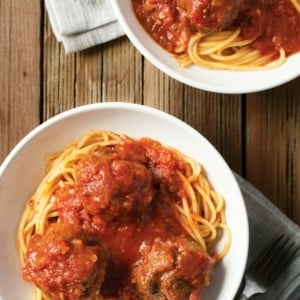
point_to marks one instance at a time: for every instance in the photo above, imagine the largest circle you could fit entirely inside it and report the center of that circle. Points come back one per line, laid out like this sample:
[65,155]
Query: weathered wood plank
[161,91]
[219,118]
[121,72]
[20,54]
[273,146]
[59,71]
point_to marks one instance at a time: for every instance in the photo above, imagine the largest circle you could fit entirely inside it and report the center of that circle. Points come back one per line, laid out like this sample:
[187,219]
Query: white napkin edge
[74,16]
[97,36]
[83,40]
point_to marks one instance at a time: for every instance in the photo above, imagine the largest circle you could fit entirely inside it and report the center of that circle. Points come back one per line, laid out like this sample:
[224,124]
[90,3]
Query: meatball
[174,269]
[115,183]
[65,263]
[211,14]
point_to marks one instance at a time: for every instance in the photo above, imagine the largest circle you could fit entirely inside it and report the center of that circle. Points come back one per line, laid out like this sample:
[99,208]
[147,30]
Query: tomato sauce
[121,203]
[162,20]
[272,24]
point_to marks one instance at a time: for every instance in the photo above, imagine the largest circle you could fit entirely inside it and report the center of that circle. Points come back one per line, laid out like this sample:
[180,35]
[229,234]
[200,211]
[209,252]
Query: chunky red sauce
[273,24]
[121,233]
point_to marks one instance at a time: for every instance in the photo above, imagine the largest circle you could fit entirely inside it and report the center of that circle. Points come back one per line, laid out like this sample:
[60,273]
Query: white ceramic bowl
[220,81]
[23,169]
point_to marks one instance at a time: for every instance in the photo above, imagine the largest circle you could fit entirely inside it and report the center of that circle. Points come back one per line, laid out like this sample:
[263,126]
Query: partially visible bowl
[220,81]
[24,167]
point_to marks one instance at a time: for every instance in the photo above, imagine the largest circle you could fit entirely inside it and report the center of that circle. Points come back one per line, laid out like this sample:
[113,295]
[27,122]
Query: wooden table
[258,134]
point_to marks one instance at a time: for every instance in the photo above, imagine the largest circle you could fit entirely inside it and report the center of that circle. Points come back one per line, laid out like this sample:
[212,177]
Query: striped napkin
[81,24]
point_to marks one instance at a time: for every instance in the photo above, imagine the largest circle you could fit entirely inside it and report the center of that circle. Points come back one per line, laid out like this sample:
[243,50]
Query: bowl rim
[85,108]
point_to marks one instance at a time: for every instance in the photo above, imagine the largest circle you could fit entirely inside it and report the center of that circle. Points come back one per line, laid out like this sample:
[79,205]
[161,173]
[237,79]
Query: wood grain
[20,71]
[273,145]
[219,118]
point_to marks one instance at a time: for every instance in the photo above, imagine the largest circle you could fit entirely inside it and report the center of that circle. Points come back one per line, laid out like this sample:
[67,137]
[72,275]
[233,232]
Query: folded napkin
[266,223]
[81,24]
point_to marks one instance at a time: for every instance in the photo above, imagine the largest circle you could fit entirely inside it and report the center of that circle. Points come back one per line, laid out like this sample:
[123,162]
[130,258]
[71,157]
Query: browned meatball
[65,263]
[172,270]
[115,182]
[211,14]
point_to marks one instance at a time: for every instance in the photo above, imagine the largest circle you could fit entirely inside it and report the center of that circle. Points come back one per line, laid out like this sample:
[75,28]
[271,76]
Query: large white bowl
[220,81]
[23,168]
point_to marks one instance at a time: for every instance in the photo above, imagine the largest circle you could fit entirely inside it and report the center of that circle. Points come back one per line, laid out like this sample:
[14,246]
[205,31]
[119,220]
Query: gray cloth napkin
[81,24]
[266,223]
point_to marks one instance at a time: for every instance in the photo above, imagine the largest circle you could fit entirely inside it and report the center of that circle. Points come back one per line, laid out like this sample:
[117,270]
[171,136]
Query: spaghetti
[231,35]
[227,50]
[90,199]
